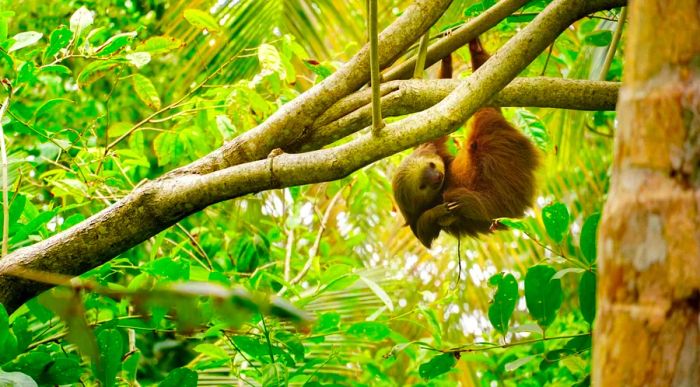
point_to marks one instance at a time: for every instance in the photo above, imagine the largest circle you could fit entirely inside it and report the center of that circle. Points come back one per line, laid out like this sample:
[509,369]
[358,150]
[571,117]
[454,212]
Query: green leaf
[598,38]
[111,345]
[59,39]
[169,269]
[556,221]
[543,294]
[160,45]
[146,91]
[115,43]
[270,60]
[60,69]
[327,322]
[589,236]
[32,226]
[437,366]
[4,325]
[372,330]
[180,377]
[253,347]
[95,71]
[586,296]
[201,19]
[64,371]
[212,351]
[25,39]
[504,302]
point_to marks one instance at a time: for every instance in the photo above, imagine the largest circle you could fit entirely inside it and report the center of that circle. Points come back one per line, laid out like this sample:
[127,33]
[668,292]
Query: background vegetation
[106,94]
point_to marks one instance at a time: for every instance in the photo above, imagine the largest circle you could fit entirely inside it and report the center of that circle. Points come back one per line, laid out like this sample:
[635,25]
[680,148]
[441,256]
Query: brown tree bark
[647,331]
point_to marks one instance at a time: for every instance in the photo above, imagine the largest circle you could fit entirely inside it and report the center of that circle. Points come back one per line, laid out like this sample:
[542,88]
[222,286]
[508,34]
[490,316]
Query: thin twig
[5,196]
[377,122]
[613,45]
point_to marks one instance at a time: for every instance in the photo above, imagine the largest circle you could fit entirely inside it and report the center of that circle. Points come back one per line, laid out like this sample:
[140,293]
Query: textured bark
[647,331]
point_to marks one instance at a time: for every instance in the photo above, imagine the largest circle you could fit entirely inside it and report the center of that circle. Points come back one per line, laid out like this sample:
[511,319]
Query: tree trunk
[647,331]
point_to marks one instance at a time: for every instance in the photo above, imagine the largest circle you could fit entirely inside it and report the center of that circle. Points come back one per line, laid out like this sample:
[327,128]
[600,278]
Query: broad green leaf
[543,294]
[160,45]
[180,377]
[372,330]
[253,347]
[32,226]
[115,43]
[25,39]
[556,221]
[586,296]
[111,345]
[169,269]
[212,351]
[95,71]
[81,19]
[16,379]
[27,73]
[59,39]
[146,91]
[589,236]
[504,302]
[327,322]
[201,19]
[64,371]
[437,366]
[598,38]
[5,17]
[513,365]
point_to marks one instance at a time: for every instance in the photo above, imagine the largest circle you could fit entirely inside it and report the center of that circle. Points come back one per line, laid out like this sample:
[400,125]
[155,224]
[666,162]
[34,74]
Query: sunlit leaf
[146,91]
[556,221]
[16,379]
[139,59]
[115,43]
[59,39]
[513,365]
[25,39]
[81,19]
[201,19]
[160,45]
[95,71]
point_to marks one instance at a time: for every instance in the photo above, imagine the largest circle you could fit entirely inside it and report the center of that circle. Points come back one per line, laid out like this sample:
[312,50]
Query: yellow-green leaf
[202,20]
[146,91]
[95,71]
[160,45]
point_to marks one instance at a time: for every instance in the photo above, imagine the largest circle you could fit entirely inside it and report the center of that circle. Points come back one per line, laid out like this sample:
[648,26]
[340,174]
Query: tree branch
[159,204]
[411,96]
[293,119]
